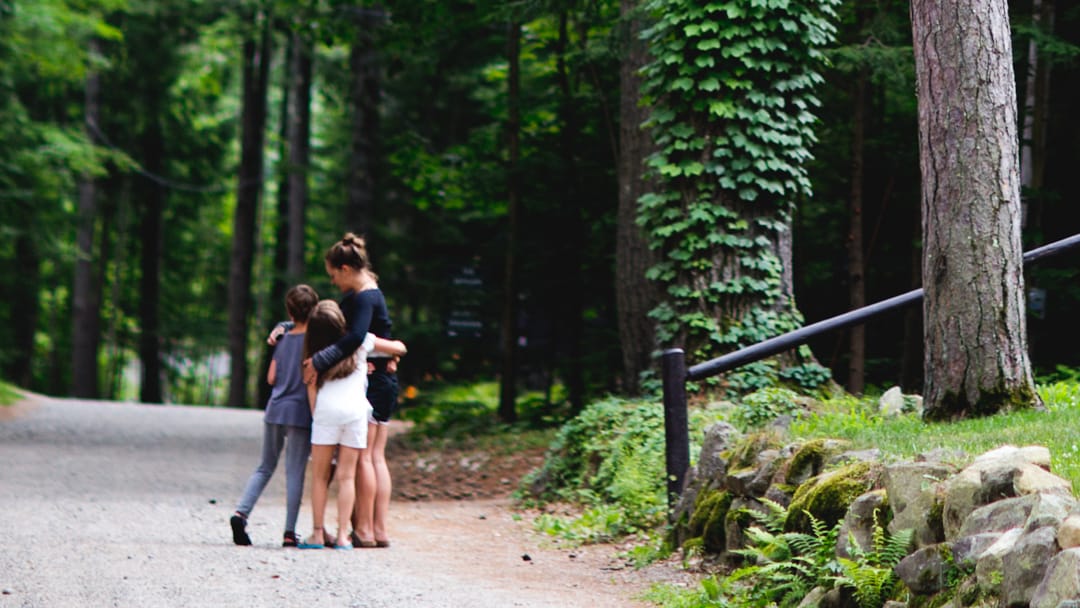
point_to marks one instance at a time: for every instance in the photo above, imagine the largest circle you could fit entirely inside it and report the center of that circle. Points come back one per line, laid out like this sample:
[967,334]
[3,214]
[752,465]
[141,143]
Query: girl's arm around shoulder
[390,347]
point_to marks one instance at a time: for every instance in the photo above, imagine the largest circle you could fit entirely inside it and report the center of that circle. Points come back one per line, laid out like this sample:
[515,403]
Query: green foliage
[610,459]
[8,394]
[765,405]
[731,85]
[612,453]
[907,436]
[464,415]
[784,566]
[869,572]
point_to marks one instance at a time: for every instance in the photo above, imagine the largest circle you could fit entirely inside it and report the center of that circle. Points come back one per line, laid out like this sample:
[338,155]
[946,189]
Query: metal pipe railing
[675,374]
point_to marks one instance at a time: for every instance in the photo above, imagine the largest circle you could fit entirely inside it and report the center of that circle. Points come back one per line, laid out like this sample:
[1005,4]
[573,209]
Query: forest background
[170,167]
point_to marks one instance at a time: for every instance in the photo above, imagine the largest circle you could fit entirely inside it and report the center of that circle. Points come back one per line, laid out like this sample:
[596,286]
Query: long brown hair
[326,325]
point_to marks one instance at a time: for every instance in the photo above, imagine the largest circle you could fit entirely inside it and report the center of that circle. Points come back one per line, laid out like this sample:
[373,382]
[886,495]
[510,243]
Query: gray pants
[297,442]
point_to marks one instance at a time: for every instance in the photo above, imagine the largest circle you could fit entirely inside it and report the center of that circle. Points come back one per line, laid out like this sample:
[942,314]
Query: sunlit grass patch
[904,437]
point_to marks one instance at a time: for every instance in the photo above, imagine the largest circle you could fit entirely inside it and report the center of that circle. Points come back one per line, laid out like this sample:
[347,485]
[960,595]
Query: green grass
[8,394]
[903,437]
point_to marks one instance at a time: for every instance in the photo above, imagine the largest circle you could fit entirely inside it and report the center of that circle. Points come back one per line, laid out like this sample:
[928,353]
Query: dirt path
[127,505]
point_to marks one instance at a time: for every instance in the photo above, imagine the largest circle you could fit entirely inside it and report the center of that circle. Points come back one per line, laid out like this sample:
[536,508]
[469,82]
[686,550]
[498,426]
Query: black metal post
[676,425]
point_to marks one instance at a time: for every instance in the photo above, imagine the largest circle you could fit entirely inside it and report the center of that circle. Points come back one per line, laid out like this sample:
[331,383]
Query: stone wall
[999,530]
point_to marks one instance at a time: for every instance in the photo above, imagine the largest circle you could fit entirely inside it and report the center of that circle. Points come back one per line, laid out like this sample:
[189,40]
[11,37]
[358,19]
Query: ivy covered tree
[731,85]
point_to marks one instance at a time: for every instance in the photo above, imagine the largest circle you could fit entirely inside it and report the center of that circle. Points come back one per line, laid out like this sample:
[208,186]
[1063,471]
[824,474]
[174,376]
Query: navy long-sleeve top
[365,311]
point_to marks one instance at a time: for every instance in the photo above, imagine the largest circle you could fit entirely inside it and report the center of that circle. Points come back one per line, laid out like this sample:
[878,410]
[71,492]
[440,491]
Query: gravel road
[118,504]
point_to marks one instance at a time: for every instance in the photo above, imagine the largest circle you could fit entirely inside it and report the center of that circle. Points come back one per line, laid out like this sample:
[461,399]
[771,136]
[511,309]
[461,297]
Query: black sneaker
[239,534]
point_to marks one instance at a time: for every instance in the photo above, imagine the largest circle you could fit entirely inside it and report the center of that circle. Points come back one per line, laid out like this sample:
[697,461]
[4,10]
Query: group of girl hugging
[334,389]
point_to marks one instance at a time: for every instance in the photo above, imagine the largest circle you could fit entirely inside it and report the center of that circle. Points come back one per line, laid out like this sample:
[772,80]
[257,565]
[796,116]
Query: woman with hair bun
[365,311]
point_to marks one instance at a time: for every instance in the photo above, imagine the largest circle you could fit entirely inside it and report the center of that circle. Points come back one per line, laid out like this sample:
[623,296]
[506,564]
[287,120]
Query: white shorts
[351,434]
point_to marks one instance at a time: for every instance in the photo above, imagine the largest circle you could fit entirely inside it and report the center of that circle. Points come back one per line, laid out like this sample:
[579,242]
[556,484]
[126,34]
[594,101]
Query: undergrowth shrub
[781,568]
[765,405]
[610,455]
[610,460]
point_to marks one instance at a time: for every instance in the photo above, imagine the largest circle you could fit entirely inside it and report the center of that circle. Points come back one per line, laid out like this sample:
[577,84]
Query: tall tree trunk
[253,119]
[363,109]
[856,270]
[299,155]
[1034,112]
[85,296]
[635,295]
[150,233]
[278,284]
[508,377]
[572,324]
[24,298]
[975,328]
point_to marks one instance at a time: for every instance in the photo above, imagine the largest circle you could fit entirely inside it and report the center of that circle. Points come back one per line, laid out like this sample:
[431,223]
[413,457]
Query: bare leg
[377,436]
[345,476]
[320,470]
[365,494]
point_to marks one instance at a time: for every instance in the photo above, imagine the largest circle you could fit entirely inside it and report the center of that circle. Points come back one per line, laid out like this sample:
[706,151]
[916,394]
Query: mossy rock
[828,496]
[744,454]
[708,519]
[810,458]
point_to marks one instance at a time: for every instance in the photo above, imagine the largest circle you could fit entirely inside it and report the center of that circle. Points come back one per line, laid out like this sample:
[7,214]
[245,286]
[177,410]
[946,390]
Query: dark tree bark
[256,69]
[572,324]
[153,196]
[363,107]
[635,295]
[299,155]
[508,337]
[1034,112]
[23,299]
[856,266]
[278,284]
[85,296]
[976,360]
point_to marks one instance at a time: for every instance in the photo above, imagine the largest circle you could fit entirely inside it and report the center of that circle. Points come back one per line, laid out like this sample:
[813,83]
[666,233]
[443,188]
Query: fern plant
[785,566]
[869,572]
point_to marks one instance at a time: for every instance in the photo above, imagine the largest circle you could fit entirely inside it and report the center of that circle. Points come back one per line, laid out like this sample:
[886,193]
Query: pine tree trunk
[26,286]
[253,119]
[635,295]
[151,221]
[508,377]
[571,326]
[364,111]
[856,269]
[976,360]
[299,155]
[278,283]
[1034,112]
[85,296]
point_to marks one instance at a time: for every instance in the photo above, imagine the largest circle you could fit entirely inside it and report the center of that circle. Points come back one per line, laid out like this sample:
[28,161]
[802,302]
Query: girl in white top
[340,413]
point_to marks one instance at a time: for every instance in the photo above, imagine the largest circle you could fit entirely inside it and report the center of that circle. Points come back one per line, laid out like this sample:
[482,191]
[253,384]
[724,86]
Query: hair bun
[352,240]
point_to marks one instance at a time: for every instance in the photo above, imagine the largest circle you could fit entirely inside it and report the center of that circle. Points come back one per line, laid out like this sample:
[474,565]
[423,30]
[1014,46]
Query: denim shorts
[382,393]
